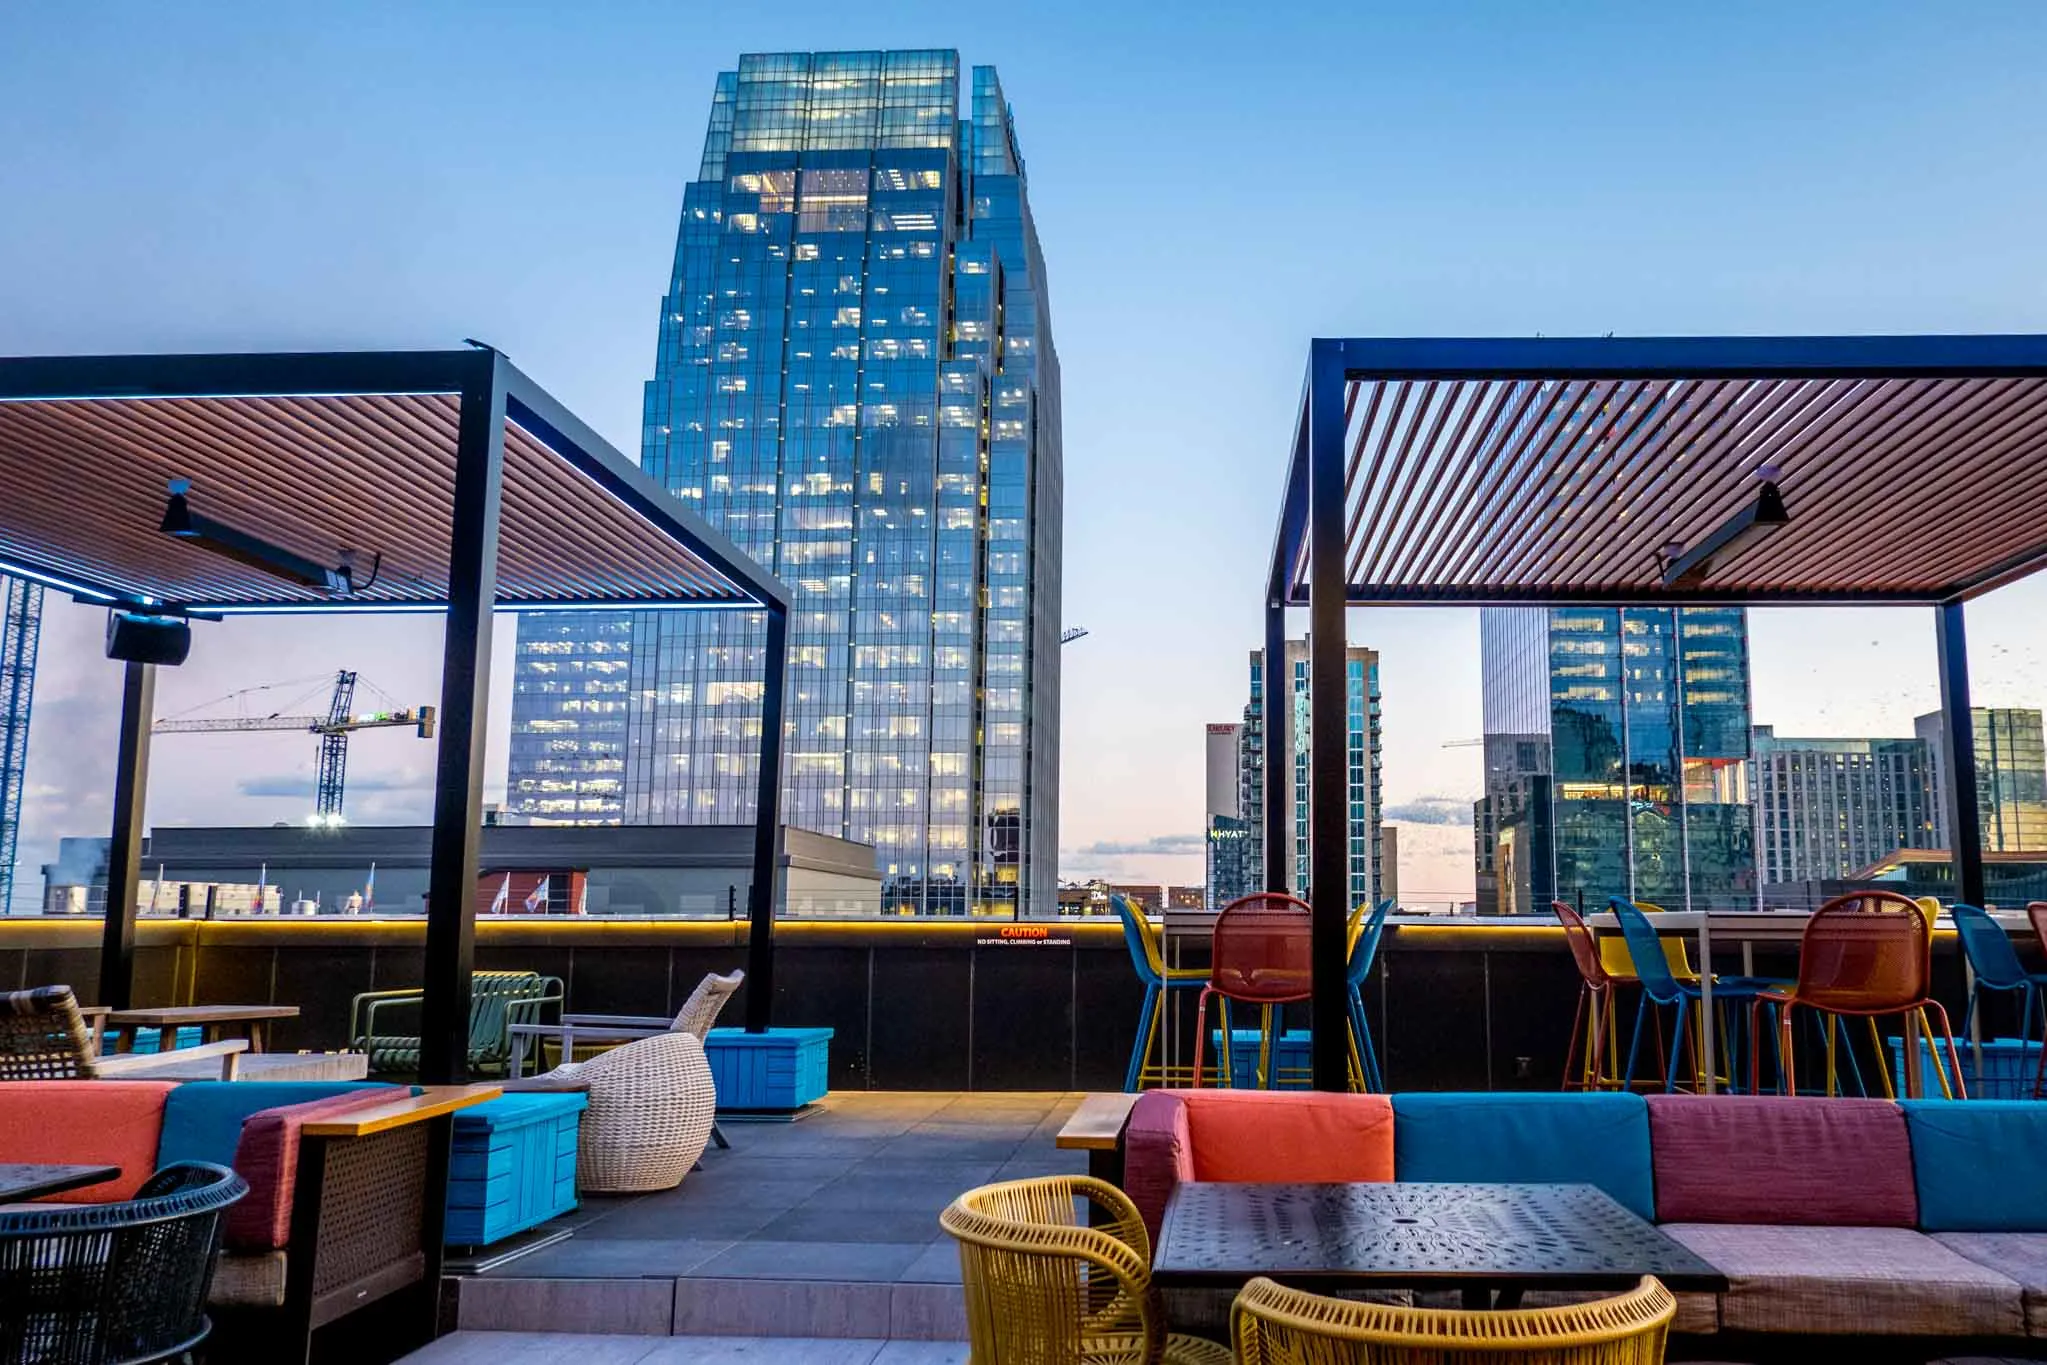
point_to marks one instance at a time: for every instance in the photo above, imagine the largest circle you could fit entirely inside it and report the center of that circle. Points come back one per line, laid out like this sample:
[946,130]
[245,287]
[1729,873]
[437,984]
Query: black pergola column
[1272,752]
[1958,723]
[767,835]
[464,720]
[124,855]
[1329,723]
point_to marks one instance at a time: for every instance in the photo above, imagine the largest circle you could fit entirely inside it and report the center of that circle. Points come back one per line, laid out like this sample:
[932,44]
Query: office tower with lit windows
[1365,851]
[1225,834]
[2011,778]
[1617,756]
[1829,807]
[855,380]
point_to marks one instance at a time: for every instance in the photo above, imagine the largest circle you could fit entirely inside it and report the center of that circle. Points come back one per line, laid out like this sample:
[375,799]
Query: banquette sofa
[1829,1217]
[339,1178]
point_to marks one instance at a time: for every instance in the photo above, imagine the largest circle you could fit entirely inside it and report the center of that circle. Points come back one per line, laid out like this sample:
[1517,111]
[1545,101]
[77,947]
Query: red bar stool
[1259,955]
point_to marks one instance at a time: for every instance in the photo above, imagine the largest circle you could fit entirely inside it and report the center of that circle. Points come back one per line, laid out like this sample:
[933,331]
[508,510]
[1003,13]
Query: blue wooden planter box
[513,1167]
[782,1069]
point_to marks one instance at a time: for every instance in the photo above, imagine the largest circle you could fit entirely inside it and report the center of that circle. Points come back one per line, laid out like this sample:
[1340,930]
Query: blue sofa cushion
[202,1120]
[1980,1165]
[1581,1139]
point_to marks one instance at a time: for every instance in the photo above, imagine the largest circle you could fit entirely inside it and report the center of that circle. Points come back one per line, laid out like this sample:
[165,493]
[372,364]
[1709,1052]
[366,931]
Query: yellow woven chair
[1042,1288]
[1274,1325]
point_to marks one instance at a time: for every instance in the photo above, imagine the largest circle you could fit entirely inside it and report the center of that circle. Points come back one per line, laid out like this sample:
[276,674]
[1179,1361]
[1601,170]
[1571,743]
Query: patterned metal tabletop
[1416,1236]
[19,1181]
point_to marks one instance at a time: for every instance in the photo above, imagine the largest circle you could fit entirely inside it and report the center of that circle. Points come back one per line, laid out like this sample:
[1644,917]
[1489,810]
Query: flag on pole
[503,899]
[536,899]
[369,890]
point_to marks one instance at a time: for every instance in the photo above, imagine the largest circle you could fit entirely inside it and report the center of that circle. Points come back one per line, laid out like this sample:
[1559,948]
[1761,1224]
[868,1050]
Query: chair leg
[1140,1047]
[1876,1040]
[1787,1062]
[1266,1077]
[1201,1034]
[1571,1047]
[1680,1038]
[718,1136]
[1961,1089]
[1635,1045]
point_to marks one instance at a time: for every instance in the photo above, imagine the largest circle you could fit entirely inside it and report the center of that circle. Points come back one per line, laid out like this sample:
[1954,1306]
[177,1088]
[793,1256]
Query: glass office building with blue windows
[855,381]
[1617,758]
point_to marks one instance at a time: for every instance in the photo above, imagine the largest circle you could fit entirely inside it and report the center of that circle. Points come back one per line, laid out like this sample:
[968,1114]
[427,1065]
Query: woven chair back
[1273,1325]
[1366,949]
[1988,948]
[706,1003]
[1260,950]
[1853,961]
[1140,938]
[43,1037]
[1584,948]
[1041,1285]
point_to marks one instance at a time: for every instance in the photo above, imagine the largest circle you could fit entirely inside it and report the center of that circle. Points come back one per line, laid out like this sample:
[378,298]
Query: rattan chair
[43,1037]
[652,1104]
[94,1284]
[1273,1325]
[1043,1288]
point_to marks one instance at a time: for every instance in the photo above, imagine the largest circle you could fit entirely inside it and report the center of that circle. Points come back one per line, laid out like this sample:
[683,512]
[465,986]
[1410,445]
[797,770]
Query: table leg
[1478,1299]
[1706,1045]
[259,1031]
[516,1065]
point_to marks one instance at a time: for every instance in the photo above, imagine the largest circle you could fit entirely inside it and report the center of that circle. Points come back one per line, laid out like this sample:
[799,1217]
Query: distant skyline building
[1617,756]
[855,380]
[2011,777]
[1826,808]
[1365,851]
[1225,833]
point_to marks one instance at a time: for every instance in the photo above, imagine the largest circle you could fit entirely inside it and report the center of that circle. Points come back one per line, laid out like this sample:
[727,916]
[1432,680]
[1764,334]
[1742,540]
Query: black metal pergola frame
[492,394]
[1891,392]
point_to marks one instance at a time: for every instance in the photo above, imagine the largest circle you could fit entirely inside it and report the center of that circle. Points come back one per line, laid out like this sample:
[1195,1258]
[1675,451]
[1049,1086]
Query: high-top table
[250,1021]
[1482,1240]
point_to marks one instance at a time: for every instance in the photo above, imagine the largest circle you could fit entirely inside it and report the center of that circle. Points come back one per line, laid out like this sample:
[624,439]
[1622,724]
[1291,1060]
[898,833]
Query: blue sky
[1214,185]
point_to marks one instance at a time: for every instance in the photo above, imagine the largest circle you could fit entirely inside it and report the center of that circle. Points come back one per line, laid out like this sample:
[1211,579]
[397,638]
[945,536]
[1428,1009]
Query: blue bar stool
[1147,955]
[1364,950]
[1661,987]
[1997,968]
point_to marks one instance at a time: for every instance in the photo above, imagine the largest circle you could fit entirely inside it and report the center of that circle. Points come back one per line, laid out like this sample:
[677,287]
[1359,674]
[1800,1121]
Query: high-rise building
[855,380]
[2011,778]
[1617,752]
[1828,807]
[1364,852]
[1225,832]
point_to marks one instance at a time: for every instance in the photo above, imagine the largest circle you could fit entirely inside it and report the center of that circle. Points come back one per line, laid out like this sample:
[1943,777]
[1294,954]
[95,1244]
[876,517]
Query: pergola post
[1329,722]
[1958,723]
[767,835]
[124,855]
[464,720]
[1273,770]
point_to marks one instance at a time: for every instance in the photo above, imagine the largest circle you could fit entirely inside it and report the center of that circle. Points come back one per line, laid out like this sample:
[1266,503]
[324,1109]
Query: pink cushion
[268,1158]
[1251,1136]
[1780,1160]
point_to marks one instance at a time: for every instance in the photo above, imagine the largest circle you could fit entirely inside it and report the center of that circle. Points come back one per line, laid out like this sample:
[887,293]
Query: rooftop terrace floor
[823,1228]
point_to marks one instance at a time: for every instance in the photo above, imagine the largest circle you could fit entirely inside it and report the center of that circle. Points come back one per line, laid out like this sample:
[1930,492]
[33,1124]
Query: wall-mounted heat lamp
[1688,568]
[246,548]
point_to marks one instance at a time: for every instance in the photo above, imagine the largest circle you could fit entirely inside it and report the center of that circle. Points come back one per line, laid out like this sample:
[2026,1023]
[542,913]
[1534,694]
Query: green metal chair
[497,1000]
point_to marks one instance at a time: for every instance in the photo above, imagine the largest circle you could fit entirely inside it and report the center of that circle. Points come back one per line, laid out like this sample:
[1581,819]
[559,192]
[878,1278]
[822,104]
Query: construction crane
[18,639]
[334,728]
[1071,633]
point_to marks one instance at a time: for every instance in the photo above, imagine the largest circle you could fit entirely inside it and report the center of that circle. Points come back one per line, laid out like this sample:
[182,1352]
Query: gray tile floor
[852,1193]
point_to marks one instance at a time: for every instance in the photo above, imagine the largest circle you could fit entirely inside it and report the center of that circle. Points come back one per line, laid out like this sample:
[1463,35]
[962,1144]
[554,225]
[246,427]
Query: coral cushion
[85,1123]
[1781,1160]
[268,1158]
[1277,1136]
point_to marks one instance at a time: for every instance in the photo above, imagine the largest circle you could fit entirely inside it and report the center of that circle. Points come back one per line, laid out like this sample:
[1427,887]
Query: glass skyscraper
[2011,778]
[1617,747]
[855,381]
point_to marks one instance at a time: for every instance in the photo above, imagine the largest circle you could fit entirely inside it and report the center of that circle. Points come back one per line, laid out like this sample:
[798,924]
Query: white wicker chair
[651,1107]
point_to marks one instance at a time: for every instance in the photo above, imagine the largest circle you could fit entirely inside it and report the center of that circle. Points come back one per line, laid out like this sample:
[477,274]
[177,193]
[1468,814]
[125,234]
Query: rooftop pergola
[1892,471]
[444,482]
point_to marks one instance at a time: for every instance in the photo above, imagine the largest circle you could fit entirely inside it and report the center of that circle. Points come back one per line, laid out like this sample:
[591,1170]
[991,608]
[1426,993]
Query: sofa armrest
[229,1051]
[431,1102]
[1157,1155]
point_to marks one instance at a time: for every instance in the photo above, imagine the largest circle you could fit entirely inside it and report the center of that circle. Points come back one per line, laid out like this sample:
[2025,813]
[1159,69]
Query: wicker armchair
[43,1037]
[1273,1325]
[1043,1287]
[651,1106]
[82,1284]
[497,1001]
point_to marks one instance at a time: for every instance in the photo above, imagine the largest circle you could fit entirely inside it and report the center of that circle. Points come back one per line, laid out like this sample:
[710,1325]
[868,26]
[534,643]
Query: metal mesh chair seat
[1273,1325]
[1042,1286]
[95,1284]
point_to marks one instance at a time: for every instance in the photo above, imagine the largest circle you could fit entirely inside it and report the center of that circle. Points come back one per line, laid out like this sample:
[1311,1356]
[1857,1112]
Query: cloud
[1431,810]
[285,784]
[1169,844]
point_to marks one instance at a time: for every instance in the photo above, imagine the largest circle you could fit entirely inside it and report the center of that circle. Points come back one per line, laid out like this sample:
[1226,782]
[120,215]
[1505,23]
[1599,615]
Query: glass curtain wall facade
[1644,716]
[855,380]
[1365,848]
[1829,807]
[2011,778]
